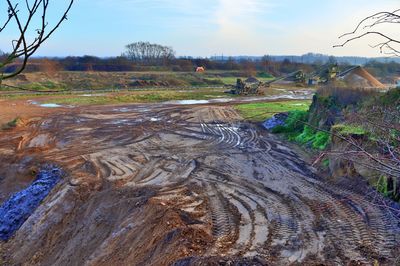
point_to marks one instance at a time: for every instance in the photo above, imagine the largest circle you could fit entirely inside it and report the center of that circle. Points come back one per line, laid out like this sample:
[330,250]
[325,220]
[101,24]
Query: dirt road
[162,185]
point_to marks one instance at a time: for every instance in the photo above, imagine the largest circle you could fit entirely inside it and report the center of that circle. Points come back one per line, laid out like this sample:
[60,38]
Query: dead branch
[22,48]
[387,46]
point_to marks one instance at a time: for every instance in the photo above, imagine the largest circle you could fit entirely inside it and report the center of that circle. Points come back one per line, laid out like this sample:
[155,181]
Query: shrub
[392,97]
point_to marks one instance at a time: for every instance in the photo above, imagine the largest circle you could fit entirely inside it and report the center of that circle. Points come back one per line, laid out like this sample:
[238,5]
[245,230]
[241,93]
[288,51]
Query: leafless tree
[27,18]
[369,26]
[148,53]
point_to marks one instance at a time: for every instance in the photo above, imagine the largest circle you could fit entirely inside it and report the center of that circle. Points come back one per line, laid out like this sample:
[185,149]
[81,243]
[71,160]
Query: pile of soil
[360,78]
[252,80]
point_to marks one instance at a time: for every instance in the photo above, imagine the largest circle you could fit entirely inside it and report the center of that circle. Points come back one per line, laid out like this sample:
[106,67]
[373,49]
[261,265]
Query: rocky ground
[181,185]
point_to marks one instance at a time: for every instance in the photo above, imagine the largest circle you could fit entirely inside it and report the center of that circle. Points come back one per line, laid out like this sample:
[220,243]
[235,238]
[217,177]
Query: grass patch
[45,86]
[262,111]
[140,97]
[345,129]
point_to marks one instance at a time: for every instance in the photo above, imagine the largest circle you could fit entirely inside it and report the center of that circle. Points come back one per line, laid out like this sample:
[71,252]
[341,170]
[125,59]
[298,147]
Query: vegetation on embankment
[296,129]
[358,130]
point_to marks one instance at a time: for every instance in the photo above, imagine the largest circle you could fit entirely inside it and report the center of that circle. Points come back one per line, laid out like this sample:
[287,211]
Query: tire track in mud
[346,226]
[253,194]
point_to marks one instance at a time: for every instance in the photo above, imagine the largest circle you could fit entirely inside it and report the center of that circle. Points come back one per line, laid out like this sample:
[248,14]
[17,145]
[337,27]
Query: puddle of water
[93,95]
[122,110]
[299,95]
[32,102]
[19,207]
[50,105]
[189,102]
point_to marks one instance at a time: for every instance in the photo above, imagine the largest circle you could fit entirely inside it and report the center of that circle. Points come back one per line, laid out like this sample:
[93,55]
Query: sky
[211,27]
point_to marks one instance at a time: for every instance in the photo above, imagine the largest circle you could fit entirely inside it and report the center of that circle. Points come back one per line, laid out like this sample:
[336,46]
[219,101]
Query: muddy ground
[181,185]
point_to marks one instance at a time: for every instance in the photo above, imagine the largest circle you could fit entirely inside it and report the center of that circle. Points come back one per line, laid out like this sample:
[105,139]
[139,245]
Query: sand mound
[361,78]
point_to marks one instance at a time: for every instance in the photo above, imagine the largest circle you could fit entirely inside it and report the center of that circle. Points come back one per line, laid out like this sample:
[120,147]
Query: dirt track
[158,185]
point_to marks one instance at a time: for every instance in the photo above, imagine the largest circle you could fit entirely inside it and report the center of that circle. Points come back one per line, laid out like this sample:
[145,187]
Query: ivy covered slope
[358,130]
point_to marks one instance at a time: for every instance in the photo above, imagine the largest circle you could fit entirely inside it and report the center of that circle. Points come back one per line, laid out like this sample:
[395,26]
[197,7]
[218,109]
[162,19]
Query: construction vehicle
[246,88]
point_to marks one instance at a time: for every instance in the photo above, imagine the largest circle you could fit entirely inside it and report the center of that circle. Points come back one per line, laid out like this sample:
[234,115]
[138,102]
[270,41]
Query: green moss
[307,136]
[387,187]
[321,140]
[347,129]
[317,140]
[296,130]
[325,163]
[382,186]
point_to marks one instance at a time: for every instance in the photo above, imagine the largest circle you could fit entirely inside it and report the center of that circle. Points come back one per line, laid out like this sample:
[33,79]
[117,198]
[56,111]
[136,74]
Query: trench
[21,205]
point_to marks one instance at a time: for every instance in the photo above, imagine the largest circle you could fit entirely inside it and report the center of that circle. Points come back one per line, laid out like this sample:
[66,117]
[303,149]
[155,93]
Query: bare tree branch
[23,49]
[371,22]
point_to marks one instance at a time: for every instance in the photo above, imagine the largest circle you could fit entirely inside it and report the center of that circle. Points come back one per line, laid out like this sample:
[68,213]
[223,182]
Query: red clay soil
[11,109]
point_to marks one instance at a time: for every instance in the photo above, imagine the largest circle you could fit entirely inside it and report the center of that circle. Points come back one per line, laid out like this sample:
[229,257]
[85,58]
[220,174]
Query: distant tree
[29,19]
[230,64]
[249,67]
[332,60]
[148,53]
[369,26]
[265,62]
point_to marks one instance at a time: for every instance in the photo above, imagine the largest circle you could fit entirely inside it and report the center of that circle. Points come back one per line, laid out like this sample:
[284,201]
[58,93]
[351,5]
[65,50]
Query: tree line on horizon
[158,61]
